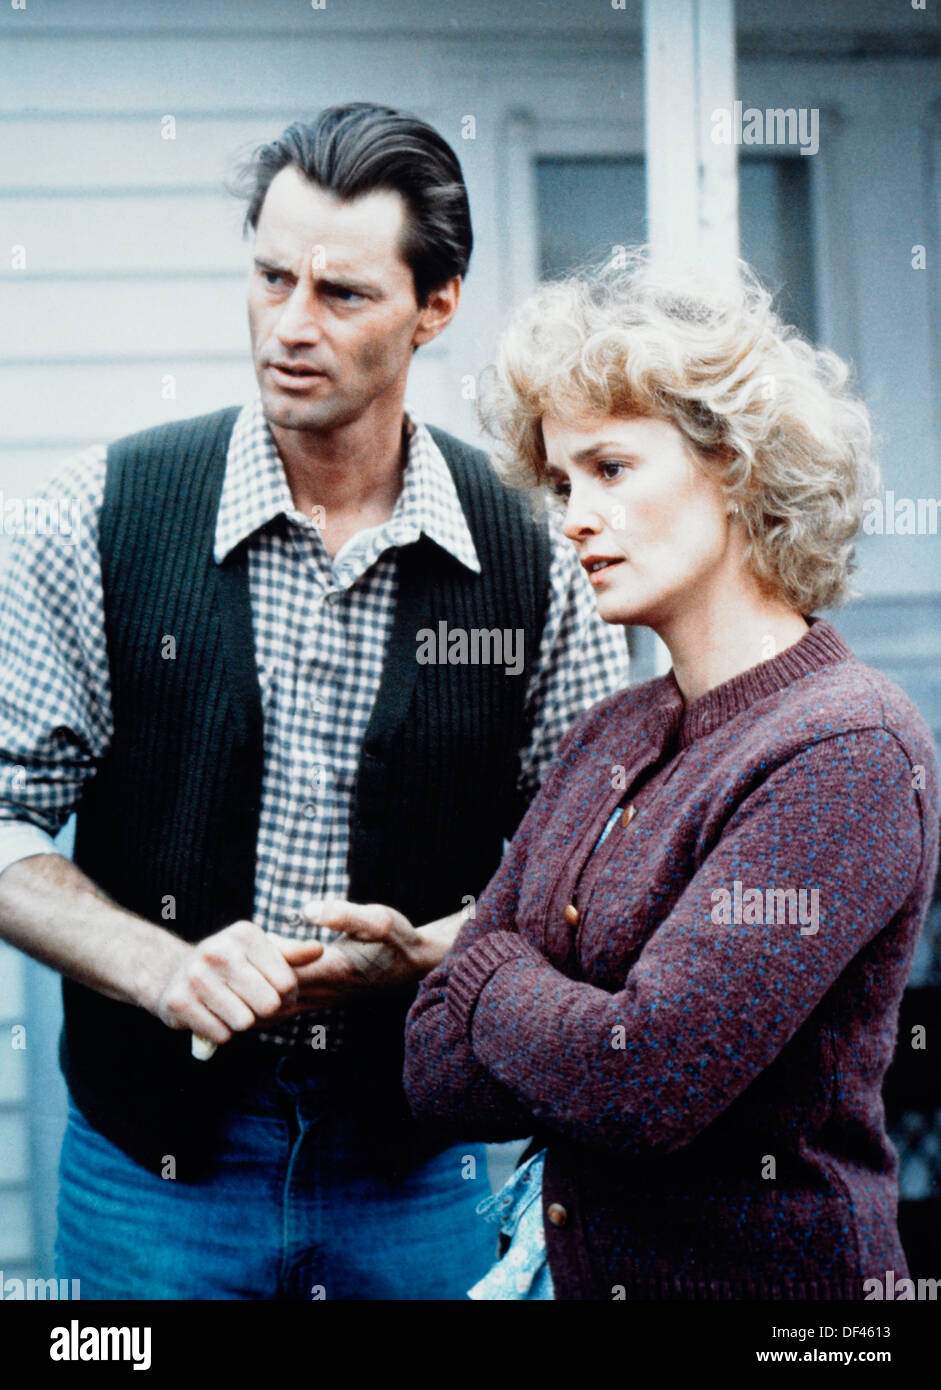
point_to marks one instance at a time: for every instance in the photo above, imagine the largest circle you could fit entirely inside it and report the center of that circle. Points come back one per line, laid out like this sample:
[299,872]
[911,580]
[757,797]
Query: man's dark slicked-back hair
[357,149]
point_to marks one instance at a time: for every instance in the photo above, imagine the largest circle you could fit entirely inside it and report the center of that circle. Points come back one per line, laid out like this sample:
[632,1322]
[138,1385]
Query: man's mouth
[296,371]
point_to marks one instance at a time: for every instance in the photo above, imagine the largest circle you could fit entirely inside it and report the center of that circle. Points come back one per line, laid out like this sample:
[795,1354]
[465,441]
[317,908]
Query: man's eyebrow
[263,263]
[349,282]
[337,279]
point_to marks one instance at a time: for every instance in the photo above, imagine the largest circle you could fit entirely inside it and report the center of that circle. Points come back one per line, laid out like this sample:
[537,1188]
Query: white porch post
[692,183]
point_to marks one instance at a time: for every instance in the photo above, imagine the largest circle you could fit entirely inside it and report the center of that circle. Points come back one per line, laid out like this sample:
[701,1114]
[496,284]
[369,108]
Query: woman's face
[636,495]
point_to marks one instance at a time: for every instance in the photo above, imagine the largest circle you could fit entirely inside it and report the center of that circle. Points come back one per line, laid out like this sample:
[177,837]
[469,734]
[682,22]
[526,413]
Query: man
[288,797]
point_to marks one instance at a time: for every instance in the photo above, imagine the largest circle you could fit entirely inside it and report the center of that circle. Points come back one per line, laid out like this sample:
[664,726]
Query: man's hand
[379,950]
[232,980]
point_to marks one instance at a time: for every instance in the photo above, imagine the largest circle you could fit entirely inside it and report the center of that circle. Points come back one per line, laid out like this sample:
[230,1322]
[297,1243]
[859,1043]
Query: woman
[685,976]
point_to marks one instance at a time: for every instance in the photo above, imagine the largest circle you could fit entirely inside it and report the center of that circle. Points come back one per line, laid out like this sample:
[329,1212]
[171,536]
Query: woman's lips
[597,576]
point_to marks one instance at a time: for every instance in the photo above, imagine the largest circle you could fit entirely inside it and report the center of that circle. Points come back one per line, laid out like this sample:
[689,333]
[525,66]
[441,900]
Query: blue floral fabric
[522,1272]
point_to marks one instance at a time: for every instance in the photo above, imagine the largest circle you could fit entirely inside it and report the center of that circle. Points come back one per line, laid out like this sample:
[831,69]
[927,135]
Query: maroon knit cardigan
[701,1052]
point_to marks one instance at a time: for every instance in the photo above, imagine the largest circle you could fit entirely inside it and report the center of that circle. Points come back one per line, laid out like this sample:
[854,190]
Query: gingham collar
[255,490]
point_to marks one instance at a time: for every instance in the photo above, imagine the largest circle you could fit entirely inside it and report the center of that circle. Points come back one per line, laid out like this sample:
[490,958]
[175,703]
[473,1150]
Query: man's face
[331,304]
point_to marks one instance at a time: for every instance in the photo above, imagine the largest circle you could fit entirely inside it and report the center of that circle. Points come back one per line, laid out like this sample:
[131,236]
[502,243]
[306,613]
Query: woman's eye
[559,490]
[612,469]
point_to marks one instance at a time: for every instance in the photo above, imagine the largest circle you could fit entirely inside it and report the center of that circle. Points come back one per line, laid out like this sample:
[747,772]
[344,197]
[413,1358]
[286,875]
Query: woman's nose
[582,517]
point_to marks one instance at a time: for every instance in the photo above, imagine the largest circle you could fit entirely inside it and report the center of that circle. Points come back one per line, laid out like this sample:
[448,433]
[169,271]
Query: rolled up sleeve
[55,720]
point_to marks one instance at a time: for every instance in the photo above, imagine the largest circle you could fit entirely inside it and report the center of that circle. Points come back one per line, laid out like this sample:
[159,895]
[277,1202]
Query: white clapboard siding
[123,234]
[161,74]
[16,1241]
[87,402]
[131,151]
[16,1238]
[12,1064]
[474,18]
[105,321]
[14,1150]
[327,18]
[12,1000]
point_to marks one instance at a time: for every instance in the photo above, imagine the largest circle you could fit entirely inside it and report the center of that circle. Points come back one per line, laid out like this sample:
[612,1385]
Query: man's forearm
[53,912]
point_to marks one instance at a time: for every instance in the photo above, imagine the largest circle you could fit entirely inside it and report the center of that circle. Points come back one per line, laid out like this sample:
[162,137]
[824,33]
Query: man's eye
[341,292]
[272,277]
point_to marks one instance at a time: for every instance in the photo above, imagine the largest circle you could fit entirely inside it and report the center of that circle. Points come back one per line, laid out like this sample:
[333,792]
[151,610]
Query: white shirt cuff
[20,839]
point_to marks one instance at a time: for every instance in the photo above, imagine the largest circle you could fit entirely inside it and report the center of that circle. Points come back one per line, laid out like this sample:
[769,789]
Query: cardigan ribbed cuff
[474,967]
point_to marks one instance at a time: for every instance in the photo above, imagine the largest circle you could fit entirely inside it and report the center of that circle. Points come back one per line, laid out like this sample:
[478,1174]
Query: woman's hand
[379,949]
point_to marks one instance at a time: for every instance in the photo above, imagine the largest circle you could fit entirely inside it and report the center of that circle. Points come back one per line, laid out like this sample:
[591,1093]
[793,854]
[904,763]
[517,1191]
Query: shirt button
[630,812]
[557,1214]
[310,810]
[571,915]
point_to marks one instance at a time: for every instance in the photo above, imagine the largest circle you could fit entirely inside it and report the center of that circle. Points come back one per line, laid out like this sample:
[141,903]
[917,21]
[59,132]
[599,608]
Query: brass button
[557,1214]
[571,915]
[630,811]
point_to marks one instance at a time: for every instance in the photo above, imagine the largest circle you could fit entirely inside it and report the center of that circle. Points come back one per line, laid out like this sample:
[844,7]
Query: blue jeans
[299,1204]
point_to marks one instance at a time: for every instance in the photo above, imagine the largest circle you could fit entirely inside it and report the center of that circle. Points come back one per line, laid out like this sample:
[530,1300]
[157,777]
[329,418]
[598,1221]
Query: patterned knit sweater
[696,1017]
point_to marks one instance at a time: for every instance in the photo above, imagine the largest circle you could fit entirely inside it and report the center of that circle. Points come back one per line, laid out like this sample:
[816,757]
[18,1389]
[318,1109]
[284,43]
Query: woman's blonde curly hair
[770,415]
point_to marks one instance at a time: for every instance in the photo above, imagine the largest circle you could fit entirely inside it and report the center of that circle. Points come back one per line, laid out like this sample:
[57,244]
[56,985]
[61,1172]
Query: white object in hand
[201,1048]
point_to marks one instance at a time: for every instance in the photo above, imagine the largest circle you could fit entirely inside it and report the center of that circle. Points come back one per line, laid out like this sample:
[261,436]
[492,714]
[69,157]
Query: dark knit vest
[168,826]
